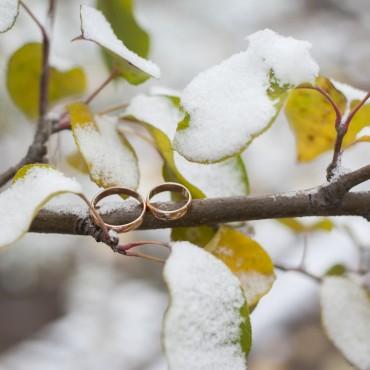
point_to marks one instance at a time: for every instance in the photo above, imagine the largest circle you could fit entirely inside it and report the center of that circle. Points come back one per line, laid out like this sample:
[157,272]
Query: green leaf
[109,157]
[33,186]
[336,270]
[345,313]
[207,323]
[129,63]
[230,104]
[298,227]
[9,10]
[23,79]
[120,14]
[200,235]
[246,259]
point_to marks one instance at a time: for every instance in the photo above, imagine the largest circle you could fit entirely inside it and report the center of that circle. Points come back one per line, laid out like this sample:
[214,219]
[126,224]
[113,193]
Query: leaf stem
[342,129]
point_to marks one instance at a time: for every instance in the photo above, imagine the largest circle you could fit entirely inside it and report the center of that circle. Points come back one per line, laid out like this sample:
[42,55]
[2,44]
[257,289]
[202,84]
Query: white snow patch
[157,111]
[350,92]
[110,160]
[223,179]
[22,200]
[202,324]
[95,27]
[346,318]
[8,13]
[364,132]
[255,284]
[228,104]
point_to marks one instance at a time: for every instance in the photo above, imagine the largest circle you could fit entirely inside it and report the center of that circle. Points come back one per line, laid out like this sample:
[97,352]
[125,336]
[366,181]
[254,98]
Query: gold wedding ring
[121,191]
[174,214]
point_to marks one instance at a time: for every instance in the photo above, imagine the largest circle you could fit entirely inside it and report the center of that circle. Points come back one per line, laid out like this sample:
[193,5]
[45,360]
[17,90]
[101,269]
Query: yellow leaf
[110,159]
[246,259]
[360,120]
[76,161]
[23,79]
[312,119]
[298,227]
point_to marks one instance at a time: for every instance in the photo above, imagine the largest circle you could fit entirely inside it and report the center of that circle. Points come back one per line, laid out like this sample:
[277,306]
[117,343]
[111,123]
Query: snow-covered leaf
[346,318]
[223,179]
[230,104]
[8,14]
[32,187]
[77,161]
[23,80]
[109,157]
[134,68]
[246,259]
[160,115]
[206,326]
[120,15]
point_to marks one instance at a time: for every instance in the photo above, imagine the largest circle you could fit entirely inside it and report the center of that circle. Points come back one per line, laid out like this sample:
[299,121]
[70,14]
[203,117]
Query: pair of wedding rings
[162,214]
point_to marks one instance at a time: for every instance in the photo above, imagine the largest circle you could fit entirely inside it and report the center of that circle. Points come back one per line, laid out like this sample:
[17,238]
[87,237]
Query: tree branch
[209,212]
[37,150]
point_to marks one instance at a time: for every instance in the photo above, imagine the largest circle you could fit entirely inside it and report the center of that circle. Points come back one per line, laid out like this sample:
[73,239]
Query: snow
[229,105]
[111,162]
[22,200]
[158,111]
[215,180]
[202,324]
[223,179]
[255,284]
[350,92]
[95,27]
[346,318]
[8,13]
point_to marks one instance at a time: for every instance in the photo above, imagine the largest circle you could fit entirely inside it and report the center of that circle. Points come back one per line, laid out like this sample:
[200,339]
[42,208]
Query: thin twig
[299,270]
[342,129]
[113,108]
[37,150]
[338,114]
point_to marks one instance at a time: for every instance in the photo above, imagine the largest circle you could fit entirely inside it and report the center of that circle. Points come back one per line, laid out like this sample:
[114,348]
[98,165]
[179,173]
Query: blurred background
[68,303]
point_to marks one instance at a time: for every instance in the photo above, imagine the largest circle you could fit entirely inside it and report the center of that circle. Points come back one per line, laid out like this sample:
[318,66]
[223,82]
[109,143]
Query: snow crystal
[223,179]
[22,200]
[346,318]
[228,104]
[110,161]
[8,13]
[158,111]
[94,27]
[202,324]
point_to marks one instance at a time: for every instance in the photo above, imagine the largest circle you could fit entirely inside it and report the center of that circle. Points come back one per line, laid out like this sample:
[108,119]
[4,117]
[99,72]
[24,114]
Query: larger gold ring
[174,214]
[118,191]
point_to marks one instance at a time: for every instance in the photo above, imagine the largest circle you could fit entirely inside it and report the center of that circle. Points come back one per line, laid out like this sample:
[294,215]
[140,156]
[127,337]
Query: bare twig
[299,270]
[37,150]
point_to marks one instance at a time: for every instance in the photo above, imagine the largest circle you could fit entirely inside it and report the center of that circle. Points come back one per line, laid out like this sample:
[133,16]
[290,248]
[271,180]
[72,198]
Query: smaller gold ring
[169,214]
[124,191]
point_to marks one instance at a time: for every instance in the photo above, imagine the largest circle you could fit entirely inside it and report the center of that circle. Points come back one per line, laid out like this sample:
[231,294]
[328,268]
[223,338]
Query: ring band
[117,191]
[169,214]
